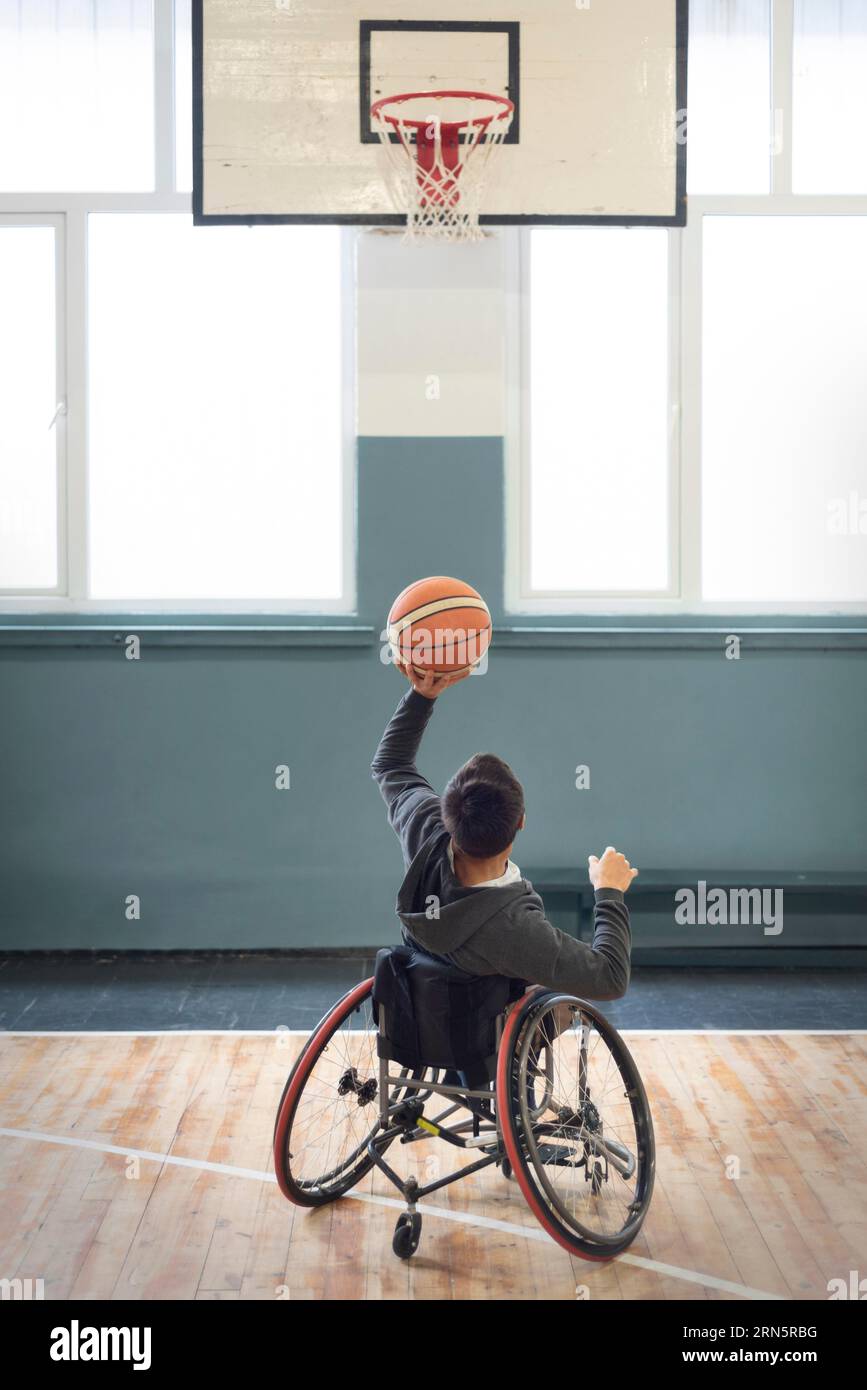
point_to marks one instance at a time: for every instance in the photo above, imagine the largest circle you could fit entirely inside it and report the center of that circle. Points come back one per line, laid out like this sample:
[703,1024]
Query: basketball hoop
[437,159]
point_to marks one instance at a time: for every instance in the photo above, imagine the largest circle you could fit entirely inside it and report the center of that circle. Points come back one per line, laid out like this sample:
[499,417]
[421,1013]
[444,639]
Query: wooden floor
[94,1224]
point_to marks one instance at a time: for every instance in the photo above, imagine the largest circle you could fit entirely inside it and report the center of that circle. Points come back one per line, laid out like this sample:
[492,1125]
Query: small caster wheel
[506,1169]
[407,1234]
[596,1179]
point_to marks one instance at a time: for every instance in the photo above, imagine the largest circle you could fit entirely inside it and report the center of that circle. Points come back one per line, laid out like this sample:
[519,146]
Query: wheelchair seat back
[434,1015]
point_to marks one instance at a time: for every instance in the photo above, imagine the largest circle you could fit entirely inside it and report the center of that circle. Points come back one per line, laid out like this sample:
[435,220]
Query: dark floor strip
[82,992]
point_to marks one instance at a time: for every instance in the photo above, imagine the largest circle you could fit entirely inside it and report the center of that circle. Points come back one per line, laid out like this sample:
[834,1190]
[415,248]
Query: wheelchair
[536,1083]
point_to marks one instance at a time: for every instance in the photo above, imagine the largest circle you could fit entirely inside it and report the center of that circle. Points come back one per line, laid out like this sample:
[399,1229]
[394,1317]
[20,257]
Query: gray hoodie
[485,931]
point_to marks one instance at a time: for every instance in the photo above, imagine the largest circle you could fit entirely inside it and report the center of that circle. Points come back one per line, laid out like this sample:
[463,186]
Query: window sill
[186,634]
[219,633]
[673,638]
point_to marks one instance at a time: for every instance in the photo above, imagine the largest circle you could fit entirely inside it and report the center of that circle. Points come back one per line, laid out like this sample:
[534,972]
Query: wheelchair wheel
[576,1124]
[330,1105]
[407,1234]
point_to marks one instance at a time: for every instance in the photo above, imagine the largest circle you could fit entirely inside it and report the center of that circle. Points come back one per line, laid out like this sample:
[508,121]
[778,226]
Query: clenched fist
[613,870]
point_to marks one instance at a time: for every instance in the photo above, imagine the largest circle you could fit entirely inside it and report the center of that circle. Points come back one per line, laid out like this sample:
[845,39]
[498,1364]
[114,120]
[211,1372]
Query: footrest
[558,1156]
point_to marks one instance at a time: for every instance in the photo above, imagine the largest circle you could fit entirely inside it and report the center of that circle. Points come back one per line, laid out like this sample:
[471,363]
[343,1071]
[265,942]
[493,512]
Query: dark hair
[482,806]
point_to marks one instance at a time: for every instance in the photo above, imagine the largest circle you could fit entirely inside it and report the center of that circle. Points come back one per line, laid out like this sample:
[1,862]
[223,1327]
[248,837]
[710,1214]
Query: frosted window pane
[829,150]
[183,97]
[784,413]
[28,398]
[598,409]
[76,94]
[215,410]
[729,98]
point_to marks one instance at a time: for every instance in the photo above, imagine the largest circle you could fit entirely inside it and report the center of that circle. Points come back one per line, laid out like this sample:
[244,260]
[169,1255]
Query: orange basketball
[439,624]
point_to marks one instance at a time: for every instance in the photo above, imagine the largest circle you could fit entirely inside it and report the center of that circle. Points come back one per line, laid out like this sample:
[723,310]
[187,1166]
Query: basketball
[439,624]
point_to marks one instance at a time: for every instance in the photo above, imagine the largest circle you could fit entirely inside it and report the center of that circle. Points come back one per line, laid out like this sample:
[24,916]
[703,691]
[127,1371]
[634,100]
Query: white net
[438,150]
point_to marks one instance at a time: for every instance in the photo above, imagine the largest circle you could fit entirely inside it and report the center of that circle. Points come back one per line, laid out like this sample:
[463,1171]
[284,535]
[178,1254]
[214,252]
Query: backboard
[282,91]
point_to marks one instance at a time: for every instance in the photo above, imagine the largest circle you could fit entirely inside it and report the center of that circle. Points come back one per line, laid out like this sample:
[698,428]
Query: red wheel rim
[329,1025]
[513,1152]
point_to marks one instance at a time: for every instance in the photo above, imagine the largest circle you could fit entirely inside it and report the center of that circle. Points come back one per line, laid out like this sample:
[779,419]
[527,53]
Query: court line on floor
[708,1281]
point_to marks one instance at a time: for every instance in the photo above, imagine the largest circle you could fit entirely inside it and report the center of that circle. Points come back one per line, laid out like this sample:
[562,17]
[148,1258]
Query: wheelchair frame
[490,1126]
[405,1120]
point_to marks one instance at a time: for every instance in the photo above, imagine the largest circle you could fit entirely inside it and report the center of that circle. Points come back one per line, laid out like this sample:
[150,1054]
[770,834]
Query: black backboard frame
[202,219]
[368,27]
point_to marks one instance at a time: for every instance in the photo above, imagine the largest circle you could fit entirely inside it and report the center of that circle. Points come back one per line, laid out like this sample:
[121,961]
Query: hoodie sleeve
[526,945]
[414,810]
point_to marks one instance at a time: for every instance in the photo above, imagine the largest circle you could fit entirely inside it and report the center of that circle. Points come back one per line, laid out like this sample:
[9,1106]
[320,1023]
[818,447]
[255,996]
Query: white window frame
[683,594]
[68,212]
[58,424]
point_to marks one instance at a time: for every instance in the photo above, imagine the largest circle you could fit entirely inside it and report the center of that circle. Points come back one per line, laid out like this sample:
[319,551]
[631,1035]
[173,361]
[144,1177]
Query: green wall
[156,777]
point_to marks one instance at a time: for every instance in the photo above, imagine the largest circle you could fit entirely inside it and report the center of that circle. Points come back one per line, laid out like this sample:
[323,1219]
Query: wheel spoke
[597,1192]
[326,1144]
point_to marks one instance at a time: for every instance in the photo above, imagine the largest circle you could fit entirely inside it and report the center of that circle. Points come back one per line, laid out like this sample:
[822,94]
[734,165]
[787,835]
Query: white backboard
[282,91]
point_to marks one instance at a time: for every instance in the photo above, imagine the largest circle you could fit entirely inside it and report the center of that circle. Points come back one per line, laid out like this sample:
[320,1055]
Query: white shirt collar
[511,875]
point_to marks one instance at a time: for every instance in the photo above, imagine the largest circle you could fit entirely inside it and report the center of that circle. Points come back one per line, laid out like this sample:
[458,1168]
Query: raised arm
[413,805]
[530,948]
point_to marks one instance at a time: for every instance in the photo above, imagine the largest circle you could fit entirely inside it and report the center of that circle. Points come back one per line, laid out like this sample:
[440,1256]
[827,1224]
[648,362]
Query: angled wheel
[407,1234]
[330,1105]
[576,1124]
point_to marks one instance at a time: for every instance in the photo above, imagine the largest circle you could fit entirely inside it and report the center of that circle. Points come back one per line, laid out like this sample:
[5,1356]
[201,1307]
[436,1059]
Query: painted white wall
[431,336]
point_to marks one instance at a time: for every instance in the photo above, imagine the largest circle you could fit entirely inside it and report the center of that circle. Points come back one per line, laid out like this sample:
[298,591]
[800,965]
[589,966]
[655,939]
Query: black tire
[545,1154]
[352,1096]
[407,1234]
[300,1057]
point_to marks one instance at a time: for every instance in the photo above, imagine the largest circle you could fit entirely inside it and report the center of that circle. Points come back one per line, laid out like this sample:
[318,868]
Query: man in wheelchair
[462,900]
[482,1009]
